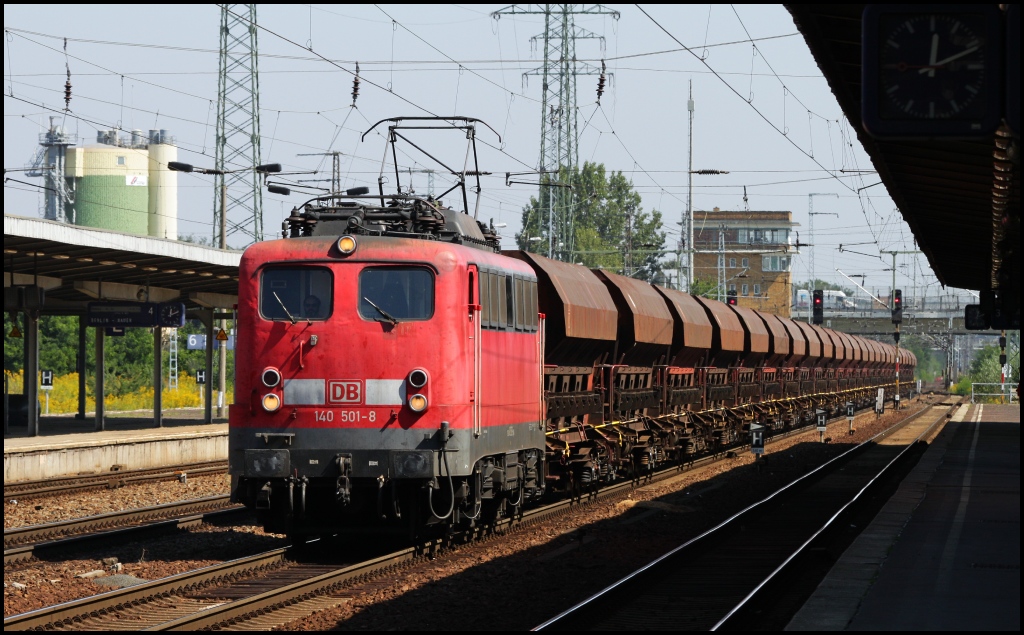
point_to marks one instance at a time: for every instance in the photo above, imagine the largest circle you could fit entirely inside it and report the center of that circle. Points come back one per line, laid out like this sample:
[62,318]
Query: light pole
[269,168]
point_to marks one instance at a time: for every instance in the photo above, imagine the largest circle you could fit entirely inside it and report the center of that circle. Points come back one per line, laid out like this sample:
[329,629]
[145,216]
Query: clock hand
[949,59]
[934,54]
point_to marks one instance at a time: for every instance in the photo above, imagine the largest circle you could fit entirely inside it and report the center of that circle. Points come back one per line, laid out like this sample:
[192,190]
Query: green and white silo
[112,187]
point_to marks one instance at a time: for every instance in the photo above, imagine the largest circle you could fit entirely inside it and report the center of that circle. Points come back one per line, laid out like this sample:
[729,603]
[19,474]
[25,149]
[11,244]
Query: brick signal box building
[757,255]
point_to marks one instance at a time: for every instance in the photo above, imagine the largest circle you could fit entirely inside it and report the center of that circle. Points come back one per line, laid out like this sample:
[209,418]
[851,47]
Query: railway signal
[897,306]
[731,297]
[818,304]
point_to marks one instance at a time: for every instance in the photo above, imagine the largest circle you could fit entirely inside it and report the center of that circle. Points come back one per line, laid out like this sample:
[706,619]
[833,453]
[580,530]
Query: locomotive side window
[299,293]
[531,310]
[497,301]
[510,303]
[396,293]
[485,299]
[520,306]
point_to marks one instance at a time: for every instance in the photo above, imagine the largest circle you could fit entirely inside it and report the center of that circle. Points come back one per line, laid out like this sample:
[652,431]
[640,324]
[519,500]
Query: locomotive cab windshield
[296,293]
[396,293]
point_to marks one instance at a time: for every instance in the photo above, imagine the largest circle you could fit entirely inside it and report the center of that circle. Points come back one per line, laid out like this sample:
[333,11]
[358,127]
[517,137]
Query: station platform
[944,552]
[67,446]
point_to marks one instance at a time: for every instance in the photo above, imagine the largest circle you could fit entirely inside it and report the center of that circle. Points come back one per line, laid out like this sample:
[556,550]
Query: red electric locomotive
[395,370]
[389,369]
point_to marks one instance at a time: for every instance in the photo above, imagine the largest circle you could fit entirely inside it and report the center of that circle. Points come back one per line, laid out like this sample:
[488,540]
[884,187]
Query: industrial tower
[238,200]
[559,133]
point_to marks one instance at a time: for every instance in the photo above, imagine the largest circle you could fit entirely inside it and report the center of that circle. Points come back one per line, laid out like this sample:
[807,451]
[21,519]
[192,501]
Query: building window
[746,263]
[732,288]
[743,290]
[741,236]
[732,263]
[121,160]
[757,289]
[775,263]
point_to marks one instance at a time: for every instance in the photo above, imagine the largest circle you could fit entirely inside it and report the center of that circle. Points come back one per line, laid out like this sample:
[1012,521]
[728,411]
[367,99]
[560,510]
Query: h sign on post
[201,376]
[46,379]
[821,417]
[850,410]
[757,439]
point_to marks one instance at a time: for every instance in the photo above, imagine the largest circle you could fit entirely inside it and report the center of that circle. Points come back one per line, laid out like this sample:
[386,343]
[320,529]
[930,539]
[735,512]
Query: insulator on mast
[355,86]
[67,84]
[600,83]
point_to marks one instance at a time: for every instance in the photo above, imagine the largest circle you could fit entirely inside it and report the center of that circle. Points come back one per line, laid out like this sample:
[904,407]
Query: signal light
[897,306]
[271,402]
[346,245]
[418,378]
[818,307]
[731,297]
[418,403]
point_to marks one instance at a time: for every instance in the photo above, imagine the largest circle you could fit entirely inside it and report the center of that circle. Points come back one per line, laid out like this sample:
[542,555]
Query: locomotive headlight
[271,402]
[418,378]
[271,377]
[418,403]
[346,244]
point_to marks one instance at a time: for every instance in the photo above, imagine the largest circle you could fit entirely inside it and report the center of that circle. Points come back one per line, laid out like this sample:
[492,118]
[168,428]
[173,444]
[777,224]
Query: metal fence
[1006,391]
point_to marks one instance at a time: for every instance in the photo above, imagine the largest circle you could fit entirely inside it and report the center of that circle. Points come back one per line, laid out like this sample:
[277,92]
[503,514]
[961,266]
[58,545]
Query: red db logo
[340,391]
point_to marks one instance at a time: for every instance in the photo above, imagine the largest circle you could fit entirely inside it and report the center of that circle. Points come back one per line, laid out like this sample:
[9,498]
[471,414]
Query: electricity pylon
[559,133]
[238,200]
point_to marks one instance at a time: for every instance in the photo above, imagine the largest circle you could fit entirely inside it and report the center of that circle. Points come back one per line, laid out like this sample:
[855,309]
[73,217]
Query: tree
[930,363]
[705,288]
[606,223]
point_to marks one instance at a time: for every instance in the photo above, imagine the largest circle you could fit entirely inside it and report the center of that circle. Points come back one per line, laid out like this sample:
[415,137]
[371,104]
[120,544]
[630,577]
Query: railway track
[714,580]
[21,543]
[110,480]
[271,588]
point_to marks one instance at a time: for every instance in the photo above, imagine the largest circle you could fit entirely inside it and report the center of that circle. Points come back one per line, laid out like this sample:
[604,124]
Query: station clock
[931,70]
[171,314]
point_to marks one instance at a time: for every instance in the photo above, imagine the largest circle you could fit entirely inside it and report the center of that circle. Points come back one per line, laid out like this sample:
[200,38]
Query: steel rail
[725,524]
[324,583]
[33,550]
[68,613]
[49,531]
[108,480]
[828,523]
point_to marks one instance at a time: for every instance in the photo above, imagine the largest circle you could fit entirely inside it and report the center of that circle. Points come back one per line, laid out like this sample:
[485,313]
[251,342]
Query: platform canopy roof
[943,188]
[75,264]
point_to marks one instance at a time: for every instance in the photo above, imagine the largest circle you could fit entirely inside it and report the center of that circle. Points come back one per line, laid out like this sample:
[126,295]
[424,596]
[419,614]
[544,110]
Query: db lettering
[345,391]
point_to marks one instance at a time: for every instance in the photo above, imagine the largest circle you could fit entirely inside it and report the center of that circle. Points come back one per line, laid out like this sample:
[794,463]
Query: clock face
[931,70]
[932,66]
[172,314]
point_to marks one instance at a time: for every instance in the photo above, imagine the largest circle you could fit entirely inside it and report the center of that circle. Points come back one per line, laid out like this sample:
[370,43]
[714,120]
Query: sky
[763,110]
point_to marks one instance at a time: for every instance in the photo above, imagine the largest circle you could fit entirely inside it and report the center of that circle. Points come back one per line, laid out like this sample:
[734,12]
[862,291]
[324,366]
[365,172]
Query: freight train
[397,371]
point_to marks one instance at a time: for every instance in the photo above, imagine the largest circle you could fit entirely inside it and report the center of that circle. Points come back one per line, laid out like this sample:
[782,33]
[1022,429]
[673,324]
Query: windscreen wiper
[286,311]
[387,316]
